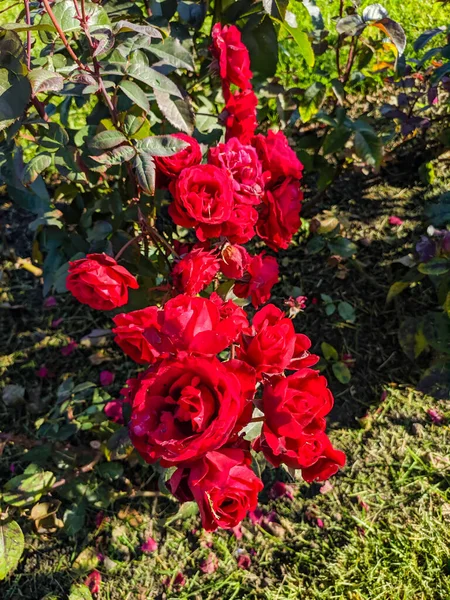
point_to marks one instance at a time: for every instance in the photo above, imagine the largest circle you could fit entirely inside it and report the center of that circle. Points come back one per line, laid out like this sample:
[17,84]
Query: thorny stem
[62,35]
[257,420]
[154,233]
[350,60]
[28,21]
[125,246]
[84,469]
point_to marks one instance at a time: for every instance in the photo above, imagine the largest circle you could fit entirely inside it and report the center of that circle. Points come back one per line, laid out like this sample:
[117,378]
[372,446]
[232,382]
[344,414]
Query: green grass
[386,530]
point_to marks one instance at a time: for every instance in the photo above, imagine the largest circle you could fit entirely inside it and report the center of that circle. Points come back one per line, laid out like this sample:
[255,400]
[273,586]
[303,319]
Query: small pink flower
[69,348]
[100,556]
[348,360]
[50,302]
[435,416]
[42,372]
[271,517]
[93,582]
[237,532]
[395,221]
[383,396]
[210,564]
[179,580]
[244,562]
[106,378]
[149,546]
[99,518]
[319,523]
[113,410]
[256,516]
[363,504]
[327,487]
[281,490]
[56,323]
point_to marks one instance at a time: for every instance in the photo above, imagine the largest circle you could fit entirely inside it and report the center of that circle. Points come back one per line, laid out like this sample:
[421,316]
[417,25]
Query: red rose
[243,166]
[233,317]
[171,166]
[186,324]
[294,428]
[223,485]
[130,334]
[280,216]
[261,276]
[195,271]
[203,198]
[271,345]
[239,116]
[232,56]
[187,407]
[277,157]
[234,260]
[99,282]
[240,227]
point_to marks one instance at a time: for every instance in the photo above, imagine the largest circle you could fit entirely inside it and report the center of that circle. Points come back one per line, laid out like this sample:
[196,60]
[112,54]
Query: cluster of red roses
[189,409]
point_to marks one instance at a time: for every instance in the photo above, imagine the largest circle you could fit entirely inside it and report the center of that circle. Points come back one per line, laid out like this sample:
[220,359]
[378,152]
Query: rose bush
[190,408]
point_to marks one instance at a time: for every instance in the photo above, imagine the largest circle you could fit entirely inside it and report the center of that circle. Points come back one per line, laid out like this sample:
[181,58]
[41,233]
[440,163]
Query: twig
[125,246]
[62,35]
[28,22]
[84,469]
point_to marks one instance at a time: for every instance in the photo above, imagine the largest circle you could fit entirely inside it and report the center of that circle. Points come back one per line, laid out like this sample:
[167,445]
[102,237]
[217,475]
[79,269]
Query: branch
[62,35]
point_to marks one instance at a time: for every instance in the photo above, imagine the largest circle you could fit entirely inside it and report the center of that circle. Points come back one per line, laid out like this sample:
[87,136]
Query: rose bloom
[223,485]
[240,227]
[277,157]
[171,166]
[271,345]
[242,164]
[293,432]
[203,198]
[239,116]
[280,216]
[261,276]
[99,282]
[188,406]
[232,315]
[232,57]
[234,260]
[185,324]
[195,271]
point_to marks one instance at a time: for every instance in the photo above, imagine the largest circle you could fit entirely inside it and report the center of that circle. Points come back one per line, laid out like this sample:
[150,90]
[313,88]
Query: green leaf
[80,592]
[171,52]
[15,94]
[347,312]
[146,172]
[106,140]
[260,37]
[186,510]
[134,121]
[43,80]
[341,372]
[148,30]
[315,244]
[35,167]
[439,212]
[426,36]
[436,329]
[114,157]
[368,146]
[411,337]
[74,518]
[436,266]
[336,139]
[160,145]
[396,289]
[329,352]
[374,12]
[12,544]
[179,112]
[276,8]
[26,489]
[135,94]
[312,101]
[66,15]
[394,31]
[110,470]
[155,80]
[351,25]
[53,137]
[302,40]
[342,247]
